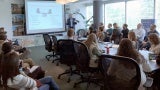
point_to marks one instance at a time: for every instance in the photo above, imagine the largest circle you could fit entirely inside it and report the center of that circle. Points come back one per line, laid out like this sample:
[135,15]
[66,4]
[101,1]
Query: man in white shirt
[71,22]
[140,32]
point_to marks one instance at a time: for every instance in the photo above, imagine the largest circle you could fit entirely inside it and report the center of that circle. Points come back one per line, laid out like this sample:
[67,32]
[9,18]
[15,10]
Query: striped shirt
[21,82]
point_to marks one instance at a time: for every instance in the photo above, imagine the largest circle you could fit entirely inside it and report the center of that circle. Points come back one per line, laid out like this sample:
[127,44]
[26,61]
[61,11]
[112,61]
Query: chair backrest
[119,78]
[48,42]
[54,43]
[54,39]
[82,63]
[66,51]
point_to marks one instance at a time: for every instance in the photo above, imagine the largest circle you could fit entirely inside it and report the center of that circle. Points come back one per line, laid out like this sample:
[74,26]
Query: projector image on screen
[44,17]
[44,14]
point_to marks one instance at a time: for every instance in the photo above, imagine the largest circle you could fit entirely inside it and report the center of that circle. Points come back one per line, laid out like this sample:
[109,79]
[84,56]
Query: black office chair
[112,82]
[67,56]
[54,44]
[49,46]
[82,64]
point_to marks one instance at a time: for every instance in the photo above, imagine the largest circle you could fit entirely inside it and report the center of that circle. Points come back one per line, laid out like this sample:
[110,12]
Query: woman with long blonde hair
[93,49]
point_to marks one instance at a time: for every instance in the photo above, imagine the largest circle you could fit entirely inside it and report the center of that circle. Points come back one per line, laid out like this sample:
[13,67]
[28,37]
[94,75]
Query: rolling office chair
[67,56]
[112,82]
[54,44]
[82,64]
[49,46]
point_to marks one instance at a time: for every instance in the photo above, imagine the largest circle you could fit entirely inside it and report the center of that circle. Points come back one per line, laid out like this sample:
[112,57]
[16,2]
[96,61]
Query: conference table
[113,50]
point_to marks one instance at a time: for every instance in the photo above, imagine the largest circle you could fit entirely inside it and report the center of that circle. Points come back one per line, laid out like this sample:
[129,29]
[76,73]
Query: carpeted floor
[38,55]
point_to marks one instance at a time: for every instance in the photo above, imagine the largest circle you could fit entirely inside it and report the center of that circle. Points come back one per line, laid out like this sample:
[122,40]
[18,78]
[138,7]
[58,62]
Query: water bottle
[107,49]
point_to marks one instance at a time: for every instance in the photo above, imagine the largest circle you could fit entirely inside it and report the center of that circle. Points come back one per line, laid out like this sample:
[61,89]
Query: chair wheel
[69,80]
[102,88]
[59,77]
[74,85]
[81,77]
[57,64]
[53,61]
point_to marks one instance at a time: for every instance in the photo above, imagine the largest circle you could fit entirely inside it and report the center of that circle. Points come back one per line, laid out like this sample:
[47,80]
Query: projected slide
[44,16]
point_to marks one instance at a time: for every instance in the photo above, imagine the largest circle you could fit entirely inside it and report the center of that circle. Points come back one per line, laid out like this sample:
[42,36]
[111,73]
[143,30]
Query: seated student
[132,37]
[125,31]
[90,31]
[152,30]
[116,34]
[155,43]
[146,44]
[101,34]
[36,73]
[8,47]
[140,32]
[126,49]
[12,78]
[109,30]
[3,37]
[93,49]
[108,33]
[23,52]
[71,34]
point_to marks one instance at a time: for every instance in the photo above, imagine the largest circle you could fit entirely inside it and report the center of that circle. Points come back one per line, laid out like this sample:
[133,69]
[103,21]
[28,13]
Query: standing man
[71,22]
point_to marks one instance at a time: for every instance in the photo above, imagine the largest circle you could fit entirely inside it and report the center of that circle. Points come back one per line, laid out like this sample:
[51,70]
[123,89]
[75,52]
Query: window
[130,12]
[137,10]
[157,14]
[89,14]
[115,13]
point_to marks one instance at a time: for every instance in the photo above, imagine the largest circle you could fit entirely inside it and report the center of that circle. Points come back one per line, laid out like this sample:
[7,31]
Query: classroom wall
[6,16]
[32,40]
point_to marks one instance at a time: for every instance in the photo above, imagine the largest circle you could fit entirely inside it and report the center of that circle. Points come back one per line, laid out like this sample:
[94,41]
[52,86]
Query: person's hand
[77,21]
[144,49]
[143,42]
[107,32]
[38,83]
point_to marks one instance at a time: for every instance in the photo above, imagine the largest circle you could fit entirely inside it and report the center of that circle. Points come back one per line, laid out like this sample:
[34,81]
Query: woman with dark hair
[91,30]
[12,78]
[101,34]
[3,38]
[7,47]
[125,31]
[126,49]
[116,34]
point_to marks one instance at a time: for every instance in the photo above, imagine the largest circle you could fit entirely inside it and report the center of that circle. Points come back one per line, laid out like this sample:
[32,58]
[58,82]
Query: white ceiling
[88,1]
[105,1]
